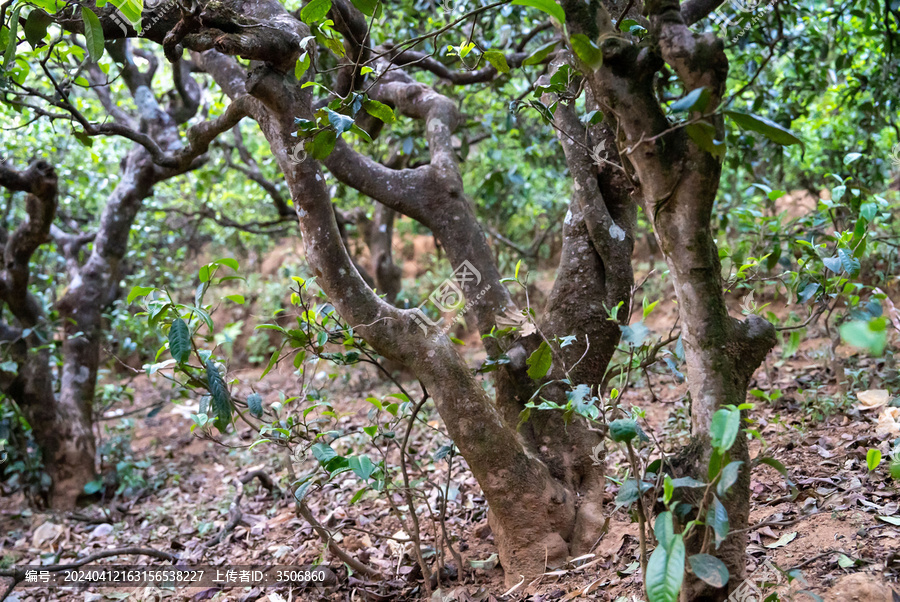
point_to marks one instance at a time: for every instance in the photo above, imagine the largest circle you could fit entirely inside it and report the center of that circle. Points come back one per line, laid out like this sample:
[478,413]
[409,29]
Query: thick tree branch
[699,59]
[694,10]
[198,136]
[40,183]
[396,188]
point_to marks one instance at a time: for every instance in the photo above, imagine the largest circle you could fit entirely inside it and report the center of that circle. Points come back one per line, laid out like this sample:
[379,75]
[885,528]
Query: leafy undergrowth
[832,519]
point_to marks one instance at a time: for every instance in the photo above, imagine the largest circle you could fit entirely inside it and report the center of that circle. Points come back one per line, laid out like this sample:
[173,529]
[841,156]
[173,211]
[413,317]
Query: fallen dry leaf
[783,541]
[872,399]
[888,422]
[46,534]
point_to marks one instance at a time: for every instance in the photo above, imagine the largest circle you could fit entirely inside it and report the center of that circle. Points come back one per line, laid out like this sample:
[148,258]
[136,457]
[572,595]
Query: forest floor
[836,522]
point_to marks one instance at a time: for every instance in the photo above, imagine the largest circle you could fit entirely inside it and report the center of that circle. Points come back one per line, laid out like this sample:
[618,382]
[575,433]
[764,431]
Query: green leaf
[587,50]
[324,453]
[715,464]
[10,52]
[315,11]
[548,6]
[360,132]
[695,100]
[873,459]
[333,45]
[340,122]
[524,415]
[366,7]
[717,518]
[729,477]
[726,424]
[833,264]
[379,110]
[52,6]
[93,34]
[93,487]
[870,335]
[777,466]
[539,362]
[272,361]
[239,299]
[766,127]
[254,404]
[498,60]
[687,482]
[709,569]
[664,529]
[301,66]
[849,263]
[130,9]
[36,26]
[628,492]
[139,291]
[180,341]
[221,398]
[704,135]
[623,430]
[665,571]
[891,520]
[228,261]
[541,53]
[300,491]
[323,144]
[362,466]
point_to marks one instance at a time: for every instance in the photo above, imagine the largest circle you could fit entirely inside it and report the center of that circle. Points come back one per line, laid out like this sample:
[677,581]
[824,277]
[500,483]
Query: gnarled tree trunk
[677,182]
[62,424]
[58,425]
[543,486]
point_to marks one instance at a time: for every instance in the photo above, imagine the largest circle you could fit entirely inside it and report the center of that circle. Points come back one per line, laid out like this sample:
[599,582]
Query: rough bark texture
[542,486]
[66,442]
[677,183]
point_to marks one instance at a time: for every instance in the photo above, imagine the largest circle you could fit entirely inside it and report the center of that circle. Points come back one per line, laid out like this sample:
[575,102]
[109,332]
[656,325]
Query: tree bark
[379,239]
[677,182]
[541,513]
[60,430]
